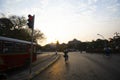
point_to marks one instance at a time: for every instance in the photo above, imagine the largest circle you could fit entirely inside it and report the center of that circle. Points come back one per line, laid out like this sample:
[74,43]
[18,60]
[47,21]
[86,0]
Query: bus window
[8,47]
[23,48]
[19,47]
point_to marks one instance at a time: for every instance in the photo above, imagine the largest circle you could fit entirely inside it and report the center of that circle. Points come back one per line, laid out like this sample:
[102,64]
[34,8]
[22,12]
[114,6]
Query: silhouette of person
[56,52]
[66,55]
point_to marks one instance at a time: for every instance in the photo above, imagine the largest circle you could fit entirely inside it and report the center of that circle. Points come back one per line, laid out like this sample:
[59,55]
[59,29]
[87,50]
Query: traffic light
[30,21]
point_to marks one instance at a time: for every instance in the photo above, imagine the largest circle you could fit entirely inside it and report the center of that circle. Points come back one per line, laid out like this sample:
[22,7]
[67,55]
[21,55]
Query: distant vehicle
[15,53]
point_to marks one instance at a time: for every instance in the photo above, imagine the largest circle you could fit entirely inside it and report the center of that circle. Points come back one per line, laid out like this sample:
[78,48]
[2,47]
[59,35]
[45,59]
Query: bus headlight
[1,61]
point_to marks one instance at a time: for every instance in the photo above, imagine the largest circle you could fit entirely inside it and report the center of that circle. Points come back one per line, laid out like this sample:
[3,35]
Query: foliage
[15,27]
[5,26]
[96,46]
[38,35]
[18,21]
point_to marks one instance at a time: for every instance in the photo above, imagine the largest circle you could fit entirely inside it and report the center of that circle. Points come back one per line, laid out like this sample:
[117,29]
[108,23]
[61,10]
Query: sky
[64,20]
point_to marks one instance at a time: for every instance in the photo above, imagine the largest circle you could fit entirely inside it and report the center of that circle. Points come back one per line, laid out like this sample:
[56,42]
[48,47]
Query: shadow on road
[67,66]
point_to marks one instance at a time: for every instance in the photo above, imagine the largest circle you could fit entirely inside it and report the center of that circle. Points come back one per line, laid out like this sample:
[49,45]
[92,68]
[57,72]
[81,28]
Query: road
[83,66]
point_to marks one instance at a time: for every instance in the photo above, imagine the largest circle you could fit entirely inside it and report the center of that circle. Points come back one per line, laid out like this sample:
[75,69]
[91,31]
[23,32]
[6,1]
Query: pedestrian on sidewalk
[56,52]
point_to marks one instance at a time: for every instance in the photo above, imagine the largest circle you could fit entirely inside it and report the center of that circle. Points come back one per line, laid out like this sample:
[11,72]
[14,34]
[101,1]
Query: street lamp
[101,36]
[105,45]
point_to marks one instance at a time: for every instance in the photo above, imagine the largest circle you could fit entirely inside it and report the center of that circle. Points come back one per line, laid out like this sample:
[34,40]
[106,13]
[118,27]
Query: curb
[42,69]
[42,60]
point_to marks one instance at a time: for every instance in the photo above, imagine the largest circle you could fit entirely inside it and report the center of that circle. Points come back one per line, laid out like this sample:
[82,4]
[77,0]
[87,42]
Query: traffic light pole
[31,53]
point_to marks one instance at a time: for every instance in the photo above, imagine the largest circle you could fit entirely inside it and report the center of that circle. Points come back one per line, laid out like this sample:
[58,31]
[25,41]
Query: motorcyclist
[66,55]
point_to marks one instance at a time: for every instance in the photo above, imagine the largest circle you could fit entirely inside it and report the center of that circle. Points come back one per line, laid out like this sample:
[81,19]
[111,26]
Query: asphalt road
[83,66]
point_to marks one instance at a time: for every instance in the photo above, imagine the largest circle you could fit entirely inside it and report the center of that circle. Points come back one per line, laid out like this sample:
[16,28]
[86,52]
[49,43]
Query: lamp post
[107,49]
[103,38]
[105,44]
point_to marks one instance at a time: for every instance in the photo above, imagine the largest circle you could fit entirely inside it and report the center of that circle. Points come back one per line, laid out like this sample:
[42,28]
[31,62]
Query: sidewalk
[38,66]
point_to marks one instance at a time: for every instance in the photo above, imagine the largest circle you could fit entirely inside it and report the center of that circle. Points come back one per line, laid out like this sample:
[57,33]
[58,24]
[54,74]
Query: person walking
[55,52]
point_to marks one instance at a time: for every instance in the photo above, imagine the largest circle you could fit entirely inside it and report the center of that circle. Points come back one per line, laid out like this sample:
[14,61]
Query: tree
[16,27]
[62,47]
[18,21]
[74,44]
[115,42]
[38,35]
[5,27]
[57,45]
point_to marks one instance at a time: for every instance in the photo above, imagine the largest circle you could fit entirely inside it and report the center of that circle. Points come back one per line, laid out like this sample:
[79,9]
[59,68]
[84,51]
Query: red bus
[15,53]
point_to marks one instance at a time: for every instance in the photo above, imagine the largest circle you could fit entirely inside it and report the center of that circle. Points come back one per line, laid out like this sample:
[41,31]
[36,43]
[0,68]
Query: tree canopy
[16,27]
